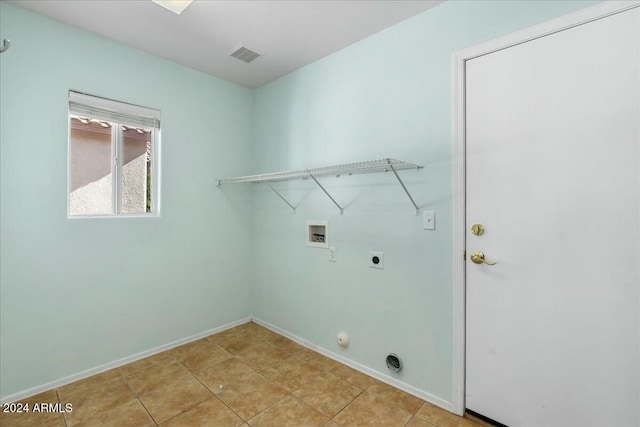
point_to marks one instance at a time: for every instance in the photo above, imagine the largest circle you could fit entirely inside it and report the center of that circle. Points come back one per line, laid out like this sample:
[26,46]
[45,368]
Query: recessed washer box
[318,234]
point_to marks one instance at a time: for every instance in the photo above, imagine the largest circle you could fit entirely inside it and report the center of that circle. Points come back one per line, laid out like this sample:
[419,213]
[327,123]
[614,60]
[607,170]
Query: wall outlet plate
[429,218]
[376,259]
[332,253]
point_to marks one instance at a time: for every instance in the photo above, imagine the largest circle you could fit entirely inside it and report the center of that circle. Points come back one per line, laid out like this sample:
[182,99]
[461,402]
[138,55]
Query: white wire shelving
[372,166]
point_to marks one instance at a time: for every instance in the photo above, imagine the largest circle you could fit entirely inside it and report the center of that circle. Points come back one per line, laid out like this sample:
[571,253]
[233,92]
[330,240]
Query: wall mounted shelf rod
[281,196]
[328,195]
[404,187]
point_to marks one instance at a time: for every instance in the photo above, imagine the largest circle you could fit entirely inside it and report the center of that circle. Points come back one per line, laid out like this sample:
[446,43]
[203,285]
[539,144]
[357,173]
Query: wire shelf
[372,166]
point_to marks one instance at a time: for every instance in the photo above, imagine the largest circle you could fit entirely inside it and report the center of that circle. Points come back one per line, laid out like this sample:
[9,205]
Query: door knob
[477,257]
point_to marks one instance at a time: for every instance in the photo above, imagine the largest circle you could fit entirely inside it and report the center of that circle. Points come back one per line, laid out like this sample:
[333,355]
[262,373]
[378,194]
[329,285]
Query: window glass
[136,170]
[91,172]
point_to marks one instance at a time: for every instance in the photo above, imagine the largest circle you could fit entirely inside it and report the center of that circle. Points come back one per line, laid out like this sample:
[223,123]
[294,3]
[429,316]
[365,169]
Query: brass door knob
[477,257]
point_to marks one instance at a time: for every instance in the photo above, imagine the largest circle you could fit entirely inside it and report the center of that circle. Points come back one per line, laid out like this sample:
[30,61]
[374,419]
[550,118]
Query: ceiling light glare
[175,6]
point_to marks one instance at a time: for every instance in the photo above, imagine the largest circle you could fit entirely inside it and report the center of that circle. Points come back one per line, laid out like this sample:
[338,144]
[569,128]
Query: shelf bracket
[328,195]
[403,187]
[281,196]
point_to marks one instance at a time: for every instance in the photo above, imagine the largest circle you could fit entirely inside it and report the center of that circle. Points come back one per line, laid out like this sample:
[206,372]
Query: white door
[552,173]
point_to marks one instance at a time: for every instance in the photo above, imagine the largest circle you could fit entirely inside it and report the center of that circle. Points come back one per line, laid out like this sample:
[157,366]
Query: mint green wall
[76,294]
[79,293]
[386,96]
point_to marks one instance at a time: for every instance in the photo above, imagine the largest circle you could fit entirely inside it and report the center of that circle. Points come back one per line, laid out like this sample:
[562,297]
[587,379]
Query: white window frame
[121,114]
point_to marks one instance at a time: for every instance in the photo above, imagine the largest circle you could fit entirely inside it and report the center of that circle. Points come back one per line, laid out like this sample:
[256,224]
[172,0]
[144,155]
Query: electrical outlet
[429,218]
[376,260]
[332,254]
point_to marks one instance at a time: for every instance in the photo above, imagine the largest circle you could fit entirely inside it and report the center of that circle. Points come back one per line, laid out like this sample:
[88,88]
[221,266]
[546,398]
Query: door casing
[574,19]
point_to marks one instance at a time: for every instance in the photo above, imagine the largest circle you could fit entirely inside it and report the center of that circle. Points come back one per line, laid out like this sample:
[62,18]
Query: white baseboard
[361,368]
[117,363]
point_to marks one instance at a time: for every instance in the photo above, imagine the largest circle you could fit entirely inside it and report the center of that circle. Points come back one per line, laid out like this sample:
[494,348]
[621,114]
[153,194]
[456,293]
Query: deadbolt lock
[477,229]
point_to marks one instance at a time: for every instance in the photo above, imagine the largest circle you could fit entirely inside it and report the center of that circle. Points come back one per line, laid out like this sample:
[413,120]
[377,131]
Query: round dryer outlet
[376,259]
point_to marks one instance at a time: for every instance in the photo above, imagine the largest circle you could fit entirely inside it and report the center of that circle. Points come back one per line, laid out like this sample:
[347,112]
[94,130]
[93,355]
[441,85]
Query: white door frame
[574,19]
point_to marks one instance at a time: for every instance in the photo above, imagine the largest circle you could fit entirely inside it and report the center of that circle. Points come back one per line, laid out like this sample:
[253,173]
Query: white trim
[459,244]
[155,171]
[112,106]
[562,23]
[111,216]
[117,173]
[358,367]
[565,22]
[117,363]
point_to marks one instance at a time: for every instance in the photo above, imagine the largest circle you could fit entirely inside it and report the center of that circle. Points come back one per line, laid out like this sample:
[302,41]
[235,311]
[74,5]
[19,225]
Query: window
[113,162]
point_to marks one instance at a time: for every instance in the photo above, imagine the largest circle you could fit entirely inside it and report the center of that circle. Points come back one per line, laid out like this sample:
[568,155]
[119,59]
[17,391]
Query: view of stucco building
[91,180]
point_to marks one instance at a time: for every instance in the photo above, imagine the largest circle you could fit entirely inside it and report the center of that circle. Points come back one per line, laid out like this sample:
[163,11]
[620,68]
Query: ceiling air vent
[244,54]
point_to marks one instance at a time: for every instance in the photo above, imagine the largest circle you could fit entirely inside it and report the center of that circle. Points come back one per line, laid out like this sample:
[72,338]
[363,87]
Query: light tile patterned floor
[245,376]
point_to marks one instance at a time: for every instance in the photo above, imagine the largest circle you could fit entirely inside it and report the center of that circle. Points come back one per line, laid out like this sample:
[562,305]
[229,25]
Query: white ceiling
[287,34]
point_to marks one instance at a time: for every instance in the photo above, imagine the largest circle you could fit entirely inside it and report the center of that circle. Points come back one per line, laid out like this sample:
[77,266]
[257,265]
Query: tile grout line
[341,379]
[270,406]
[322,372]
[149,413]
[233,356]
[192,374]
[288,392]
[214,395]
[64,418]
[345,406]
[136,395]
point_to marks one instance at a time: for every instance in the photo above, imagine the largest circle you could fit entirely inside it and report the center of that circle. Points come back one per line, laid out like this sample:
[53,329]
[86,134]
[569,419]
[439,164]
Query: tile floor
[245,376]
